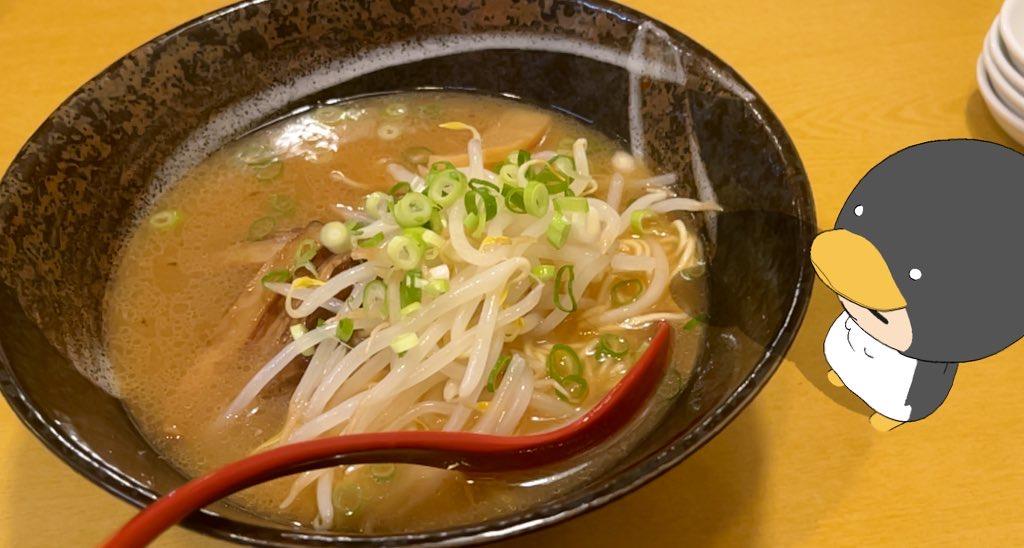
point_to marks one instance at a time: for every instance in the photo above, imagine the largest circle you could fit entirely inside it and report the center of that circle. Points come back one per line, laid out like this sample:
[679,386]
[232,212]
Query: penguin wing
[929,387]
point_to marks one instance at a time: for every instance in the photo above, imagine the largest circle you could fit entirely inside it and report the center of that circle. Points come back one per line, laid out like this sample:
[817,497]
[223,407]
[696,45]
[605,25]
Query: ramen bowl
[82,181]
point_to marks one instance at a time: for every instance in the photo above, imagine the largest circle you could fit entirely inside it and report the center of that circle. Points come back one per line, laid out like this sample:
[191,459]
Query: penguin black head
[927,252]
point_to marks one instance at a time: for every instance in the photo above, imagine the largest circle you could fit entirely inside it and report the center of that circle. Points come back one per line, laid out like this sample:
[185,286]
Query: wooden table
[853,82]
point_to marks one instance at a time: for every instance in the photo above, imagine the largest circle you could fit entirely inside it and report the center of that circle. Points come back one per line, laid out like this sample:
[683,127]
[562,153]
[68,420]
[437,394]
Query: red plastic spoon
[464,451]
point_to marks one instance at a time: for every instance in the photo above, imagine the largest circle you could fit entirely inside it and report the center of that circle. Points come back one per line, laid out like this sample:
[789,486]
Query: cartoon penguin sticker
[927,263]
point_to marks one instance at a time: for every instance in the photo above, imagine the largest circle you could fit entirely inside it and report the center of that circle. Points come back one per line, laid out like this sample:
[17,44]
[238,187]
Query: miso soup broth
[427,260]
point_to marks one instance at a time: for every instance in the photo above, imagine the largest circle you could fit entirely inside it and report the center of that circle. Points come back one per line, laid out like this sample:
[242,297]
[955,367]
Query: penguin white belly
[874,372]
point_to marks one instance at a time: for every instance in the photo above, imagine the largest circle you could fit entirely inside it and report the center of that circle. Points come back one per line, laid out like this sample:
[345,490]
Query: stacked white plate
[1001,69]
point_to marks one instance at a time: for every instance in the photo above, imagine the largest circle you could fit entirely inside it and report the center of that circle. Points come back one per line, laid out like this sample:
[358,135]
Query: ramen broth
[183,270]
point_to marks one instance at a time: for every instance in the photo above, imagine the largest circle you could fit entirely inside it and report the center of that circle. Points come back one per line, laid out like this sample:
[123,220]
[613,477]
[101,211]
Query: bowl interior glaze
[85,177]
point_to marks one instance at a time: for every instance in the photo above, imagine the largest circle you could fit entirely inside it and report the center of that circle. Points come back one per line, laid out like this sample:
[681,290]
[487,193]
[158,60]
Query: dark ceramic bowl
[78,184]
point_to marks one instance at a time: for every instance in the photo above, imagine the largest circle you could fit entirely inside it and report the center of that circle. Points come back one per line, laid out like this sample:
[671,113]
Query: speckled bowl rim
[623,483]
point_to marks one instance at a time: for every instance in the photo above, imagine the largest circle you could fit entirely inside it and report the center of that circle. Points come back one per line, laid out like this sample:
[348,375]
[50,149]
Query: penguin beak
[853,267]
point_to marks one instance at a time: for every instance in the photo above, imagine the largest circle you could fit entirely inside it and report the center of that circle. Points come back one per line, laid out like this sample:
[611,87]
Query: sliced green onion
[576,387]
[306,251]
[518,157]
[471,221]
[480,183]
[695,321]
[282,205]
[375,296]
[429,110]
[304,254]
[544,173]
[508,174]
[376,204]
[261,228]
[330,115]
[418,156]
[480,195]
[437,223]
[671,385]
[382,473]
[513,198]
[396,110]
[388,132]
[480,233]
[404,343]
[636,221]
[409,290]
[429,240]
[414,209]
[558,231]
[443,187]
[256,154]
[563,362]
[405,252]
[372,241]
[627,291]
[432,239]
[497,372]
[347,499]
[567,204]
[336,237]
[535,199]
[409,309]
[564,164]
[565,275]
[552,178]
[269,171]
[558,186]
[355,227]
[399,189]
[165,220]
[277,276]
[543,272]
[442,165]
[415,232]
[345,329]
[437,287]
[298,330]
[612,345]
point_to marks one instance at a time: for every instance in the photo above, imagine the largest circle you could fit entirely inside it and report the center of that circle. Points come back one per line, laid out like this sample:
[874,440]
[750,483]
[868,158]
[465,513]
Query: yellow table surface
[852,82]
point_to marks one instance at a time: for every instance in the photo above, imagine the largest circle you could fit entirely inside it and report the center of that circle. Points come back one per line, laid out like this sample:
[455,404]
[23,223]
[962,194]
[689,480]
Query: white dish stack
[1001,69]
